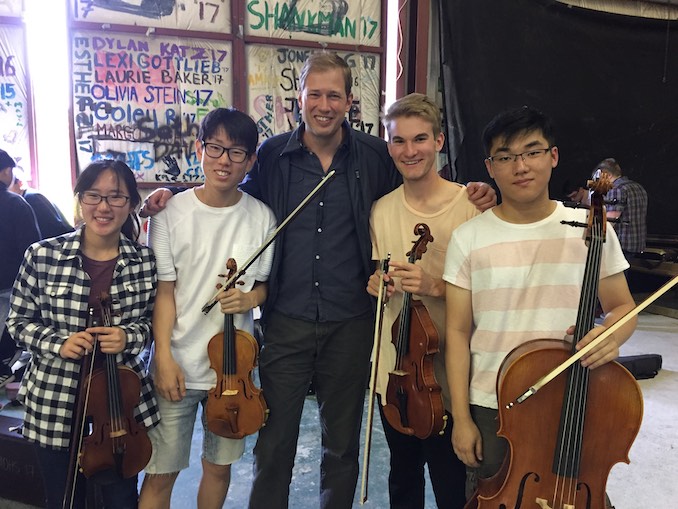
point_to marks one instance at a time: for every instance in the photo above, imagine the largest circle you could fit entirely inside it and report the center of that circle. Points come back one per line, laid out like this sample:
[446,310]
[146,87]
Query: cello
[111,444]
[414,398]
[565,439]
[235,406]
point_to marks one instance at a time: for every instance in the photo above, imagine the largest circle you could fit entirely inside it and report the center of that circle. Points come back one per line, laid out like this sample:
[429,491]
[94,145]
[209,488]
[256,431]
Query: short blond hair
[326,61]
[415,105]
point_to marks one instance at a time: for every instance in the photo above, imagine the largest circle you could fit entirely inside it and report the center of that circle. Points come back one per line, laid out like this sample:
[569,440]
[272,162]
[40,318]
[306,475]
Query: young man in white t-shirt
[515,274]
[193,237]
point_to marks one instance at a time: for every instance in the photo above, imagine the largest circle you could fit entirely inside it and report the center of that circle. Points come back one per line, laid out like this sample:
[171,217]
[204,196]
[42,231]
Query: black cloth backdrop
[604,79]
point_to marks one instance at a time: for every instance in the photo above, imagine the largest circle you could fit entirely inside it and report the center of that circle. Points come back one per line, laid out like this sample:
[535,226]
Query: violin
[565,438]
[414,398]
[111,444]
[235,406]
[118,446]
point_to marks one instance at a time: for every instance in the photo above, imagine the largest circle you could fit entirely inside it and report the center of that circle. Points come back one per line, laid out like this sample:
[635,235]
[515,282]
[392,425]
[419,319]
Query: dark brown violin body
[414,398]
[107,442]
[235,406]
[564,438]
[118,445]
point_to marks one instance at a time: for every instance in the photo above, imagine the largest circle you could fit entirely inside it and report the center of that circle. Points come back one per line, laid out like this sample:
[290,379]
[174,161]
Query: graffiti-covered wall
[142,98]
[139,95]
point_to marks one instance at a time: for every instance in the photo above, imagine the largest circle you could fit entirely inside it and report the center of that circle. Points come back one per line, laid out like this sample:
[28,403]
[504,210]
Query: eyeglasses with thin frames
[114,200]
[236,155]
[530,155]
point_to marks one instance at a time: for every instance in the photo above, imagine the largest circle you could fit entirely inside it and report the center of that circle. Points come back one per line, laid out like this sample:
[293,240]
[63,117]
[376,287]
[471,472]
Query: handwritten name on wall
[198,15]
[14,113]
[141,100]
[273,87]
[339,21]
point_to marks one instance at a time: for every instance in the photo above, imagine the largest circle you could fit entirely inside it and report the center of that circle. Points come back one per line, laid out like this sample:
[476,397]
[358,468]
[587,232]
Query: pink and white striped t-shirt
[525,281]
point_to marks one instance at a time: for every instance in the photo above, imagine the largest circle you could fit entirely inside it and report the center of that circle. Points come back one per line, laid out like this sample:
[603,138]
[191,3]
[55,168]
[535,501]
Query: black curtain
[609,82]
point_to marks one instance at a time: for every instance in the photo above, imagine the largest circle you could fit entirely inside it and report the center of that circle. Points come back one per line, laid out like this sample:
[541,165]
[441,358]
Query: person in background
[318,318]
[59,280]
[627,203]
[193,238]
[51,220]
[514,274]
[18,230]
[413,124]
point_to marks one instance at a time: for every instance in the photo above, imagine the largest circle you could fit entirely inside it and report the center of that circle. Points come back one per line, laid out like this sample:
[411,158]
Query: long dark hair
[131,228]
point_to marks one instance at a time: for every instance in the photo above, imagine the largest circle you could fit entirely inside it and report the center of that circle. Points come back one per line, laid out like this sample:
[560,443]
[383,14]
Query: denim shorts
[172,437]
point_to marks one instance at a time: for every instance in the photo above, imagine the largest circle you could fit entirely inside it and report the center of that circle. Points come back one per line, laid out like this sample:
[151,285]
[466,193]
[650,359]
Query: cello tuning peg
[576,224]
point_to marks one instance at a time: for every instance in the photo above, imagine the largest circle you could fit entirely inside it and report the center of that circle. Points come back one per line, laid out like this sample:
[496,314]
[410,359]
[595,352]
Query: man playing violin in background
[515,274]
[413,124]
[193,238]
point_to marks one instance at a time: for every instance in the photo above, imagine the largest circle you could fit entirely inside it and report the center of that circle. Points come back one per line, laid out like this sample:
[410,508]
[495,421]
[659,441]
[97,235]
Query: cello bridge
[230,392]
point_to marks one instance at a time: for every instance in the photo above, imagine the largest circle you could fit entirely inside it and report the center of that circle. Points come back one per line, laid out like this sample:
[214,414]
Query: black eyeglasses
[114,200]
[530,155]
[236,155]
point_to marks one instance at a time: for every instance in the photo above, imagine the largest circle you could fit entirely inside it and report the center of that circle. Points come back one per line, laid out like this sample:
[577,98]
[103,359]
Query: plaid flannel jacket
[49,303]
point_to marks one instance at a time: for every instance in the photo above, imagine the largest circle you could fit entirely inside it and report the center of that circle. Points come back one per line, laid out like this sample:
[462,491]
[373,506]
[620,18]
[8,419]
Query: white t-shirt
[525,281]
[192,243]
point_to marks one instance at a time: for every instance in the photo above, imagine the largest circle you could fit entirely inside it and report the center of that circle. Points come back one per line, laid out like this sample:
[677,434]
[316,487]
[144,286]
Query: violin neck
[229,345]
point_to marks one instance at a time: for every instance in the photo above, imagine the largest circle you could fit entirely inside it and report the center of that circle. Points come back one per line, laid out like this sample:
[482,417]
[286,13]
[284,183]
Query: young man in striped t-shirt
[515,274]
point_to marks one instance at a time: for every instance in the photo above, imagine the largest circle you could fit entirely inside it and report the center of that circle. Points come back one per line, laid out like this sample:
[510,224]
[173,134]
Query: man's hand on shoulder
[155,202]
[482,195]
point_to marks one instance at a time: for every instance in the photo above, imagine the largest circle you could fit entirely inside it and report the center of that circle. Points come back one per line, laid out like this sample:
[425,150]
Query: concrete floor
[649,481]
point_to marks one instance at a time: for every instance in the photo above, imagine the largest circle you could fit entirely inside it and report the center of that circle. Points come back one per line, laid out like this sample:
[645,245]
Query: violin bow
[243,268]
[78,421]
[599,339]
[381,303]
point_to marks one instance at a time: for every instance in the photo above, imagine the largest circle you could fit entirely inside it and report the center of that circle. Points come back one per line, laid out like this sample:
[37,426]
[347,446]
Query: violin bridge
[230,392]
[399,372]
[118,433]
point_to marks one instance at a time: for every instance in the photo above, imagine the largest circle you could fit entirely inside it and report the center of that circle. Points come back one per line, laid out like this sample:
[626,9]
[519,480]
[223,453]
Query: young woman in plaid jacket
[59,280]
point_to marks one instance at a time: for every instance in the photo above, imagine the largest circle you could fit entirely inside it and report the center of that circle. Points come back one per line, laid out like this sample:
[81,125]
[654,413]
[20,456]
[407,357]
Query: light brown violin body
[235,406]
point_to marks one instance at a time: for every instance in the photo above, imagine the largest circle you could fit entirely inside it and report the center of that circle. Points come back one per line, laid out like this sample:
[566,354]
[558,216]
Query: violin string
[115,410]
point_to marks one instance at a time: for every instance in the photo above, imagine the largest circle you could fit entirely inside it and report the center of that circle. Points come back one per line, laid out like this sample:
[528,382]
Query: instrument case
[642,366]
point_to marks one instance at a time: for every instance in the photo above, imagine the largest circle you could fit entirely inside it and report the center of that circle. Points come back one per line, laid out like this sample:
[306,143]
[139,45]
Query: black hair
[239,127]
[510,124]
[89,175]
